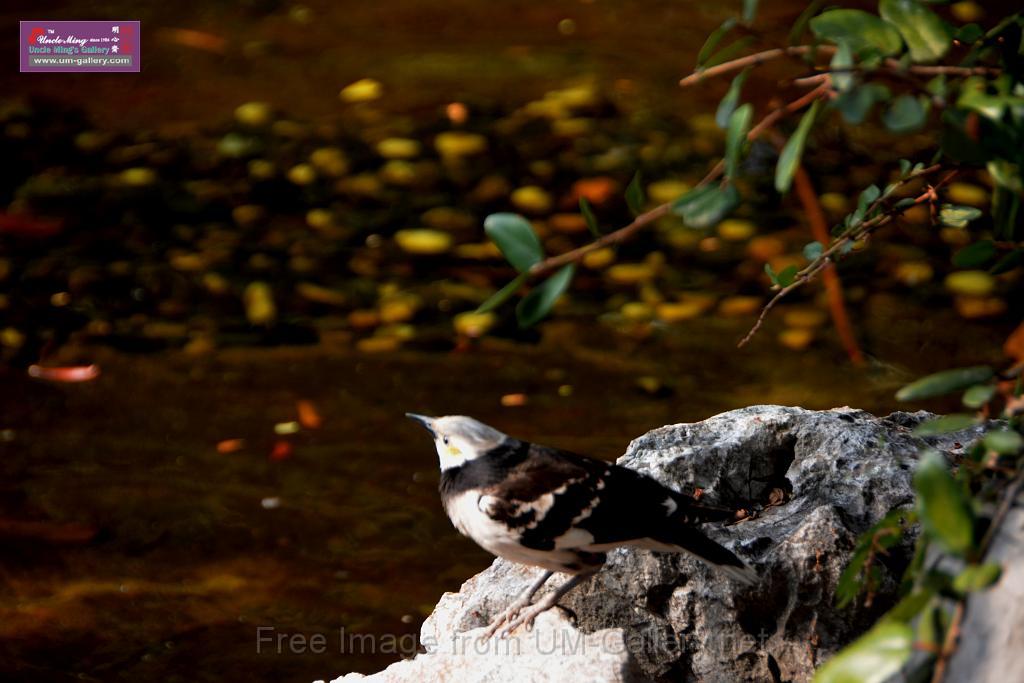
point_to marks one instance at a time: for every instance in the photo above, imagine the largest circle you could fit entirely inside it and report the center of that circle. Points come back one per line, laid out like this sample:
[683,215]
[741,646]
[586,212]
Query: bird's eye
[446,441]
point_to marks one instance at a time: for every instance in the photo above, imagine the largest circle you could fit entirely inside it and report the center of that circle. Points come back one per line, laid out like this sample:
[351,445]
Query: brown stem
[755,59]
[619,235]
[833,287]
[949,644]
[891,64]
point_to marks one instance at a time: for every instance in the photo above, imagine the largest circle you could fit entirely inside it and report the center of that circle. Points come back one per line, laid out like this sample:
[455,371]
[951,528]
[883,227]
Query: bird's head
[458,438]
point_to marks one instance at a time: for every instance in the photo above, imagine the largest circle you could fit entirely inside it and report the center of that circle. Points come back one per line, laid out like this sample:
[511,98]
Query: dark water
[158,560]
[133,549]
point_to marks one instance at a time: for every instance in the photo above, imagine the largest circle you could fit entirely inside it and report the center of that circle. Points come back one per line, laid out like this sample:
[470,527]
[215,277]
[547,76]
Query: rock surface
[816,480]
[993,628]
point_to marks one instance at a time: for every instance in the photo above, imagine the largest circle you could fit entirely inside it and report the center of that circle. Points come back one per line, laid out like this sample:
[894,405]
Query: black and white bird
[561,511]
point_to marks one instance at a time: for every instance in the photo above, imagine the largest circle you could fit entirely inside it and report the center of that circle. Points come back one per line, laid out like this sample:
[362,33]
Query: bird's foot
[510,613]
[525,617]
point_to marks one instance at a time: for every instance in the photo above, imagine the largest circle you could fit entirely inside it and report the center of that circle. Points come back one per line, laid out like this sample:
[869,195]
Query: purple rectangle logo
[80,46]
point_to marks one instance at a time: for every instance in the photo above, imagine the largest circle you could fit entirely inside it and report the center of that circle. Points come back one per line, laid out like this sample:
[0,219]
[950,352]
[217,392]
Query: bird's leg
[519,603]
[550,600]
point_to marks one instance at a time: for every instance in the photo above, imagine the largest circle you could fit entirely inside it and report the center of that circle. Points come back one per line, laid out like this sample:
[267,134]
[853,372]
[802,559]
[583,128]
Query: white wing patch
[670,505]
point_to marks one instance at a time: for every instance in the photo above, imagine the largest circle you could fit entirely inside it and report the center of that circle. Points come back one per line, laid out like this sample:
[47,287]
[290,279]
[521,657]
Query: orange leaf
[309,417]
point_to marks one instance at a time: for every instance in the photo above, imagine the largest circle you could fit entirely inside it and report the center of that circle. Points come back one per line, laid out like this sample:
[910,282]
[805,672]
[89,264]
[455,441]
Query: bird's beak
[427,422]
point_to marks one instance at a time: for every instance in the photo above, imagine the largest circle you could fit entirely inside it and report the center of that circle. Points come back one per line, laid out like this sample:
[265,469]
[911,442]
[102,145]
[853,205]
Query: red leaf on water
[282,451]
[72,373]
[22,225]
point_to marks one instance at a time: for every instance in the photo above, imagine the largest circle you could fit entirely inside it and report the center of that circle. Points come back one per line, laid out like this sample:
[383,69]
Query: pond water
[222,479]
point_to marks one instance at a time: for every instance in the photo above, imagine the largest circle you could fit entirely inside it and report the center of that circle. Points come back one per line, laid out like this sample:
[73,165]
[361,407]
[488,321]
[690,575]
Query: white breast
[468,513]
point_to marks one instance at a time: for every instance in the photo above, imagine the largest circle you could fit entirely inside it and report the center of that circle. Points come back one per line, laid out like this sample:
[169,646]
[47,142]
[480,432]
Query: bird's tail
[689,540]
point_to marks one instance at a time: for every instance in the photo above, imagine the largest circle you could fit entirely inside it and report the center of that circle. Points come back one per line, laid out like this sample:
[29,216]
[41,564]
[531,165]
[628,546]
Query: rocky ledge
[813,481]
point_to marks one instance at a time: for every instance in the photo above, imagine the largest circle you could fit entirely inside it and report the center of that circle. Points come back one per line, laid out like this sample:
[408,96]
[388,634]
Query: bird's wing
[557,499]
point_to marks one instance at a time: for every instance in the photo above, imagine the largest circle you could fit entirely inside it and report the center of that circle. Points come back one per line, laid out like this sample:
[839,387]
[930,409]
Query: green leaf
[537,304]
[789,159]
[714,39]
[975,255]
[635,195]
[945,382]
[976,577]
[784,278]
[736,137]
[1003,442]
[841,65]
[945,514]
[1006,211]
[703,207]
[886,533]
[937,87]
[927,36]
[906,114]
[787,275]
[588,216]
[515,238]
[867,197]
[749,11]
[856,103]
[872,658]
[944,425]
[813,250]
[909,607]
[1012,260]
[988,105]
[858,29]
[958,216]
[849,584]
[797,31]
[503,294]
[732,97]
[931,629]
[1006,173]
[969,33]
[978,395]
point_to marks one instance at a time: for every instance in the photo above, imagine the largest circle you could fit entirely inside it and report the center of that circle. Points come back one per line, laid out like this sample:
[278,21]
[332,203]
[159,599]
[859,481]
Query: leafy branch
[871,217]
[857,49]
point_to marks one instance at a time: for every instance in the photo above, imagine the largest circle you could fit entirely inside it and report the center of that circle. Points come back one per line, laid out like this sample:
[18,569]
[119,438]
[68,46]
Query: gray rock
[816,481]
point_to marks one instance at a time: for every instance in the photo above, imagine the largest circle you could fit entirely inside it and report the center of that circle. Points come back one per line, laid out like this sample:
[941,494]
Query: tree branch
[811,270]
[657,212]
[797,51]
[619,235]
[755,59]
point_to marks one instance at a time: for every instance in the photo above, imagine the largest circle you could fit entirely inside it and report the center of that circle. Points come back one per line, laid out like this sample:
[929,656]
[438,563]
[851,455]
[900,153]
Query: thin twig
[619,235]
[755,59]
[949,643]
[798,51]
[812,269]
